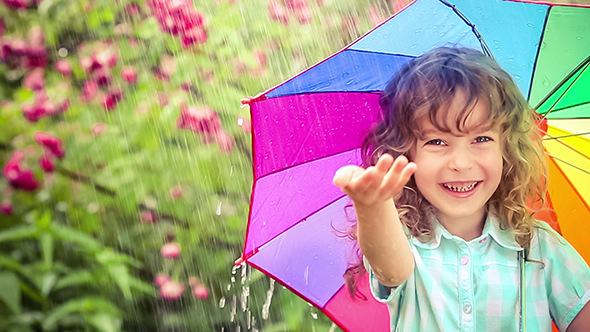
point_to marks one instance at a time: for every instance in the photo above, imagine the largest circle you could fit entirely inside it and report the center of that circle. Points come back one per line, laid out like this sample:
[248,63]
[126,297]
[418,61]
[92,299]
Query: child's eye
[482,139]
[435,142]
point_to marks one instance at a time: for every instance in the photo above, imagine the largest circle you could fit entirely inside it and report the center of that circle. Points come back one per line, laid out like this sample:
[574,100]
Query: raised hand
[376,184]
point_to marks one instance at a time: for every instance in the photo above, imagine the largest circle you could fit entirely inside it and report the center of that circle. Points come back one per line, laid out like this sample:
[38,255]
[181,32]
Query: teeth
[460,189]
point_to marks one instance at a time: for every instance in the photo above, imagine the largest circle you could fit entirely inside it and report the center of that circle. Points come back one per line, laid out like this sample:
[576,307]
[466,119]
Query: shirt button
[467,308]
[464,260]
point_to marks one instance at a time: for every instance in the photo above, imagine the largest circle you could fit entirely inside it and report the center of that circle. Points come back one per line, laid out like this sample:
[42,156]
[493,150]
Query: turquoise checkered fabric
[460,285]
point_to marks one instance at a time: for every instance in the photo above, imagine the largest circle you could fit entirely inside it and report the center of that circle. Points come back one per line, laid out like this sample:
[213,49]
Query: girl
[445,229]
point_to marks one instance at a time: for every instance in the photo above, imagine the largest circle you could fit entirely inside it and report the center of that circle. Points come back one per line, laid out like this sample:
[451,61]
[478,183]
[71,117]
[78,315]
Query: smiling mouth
[461,186]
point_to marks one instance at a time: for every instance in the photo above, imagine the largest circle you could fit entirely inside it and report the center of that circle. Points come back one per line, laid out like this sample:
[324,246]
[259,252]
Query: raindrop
[333,327]
[233,309]
[61,206]
[244,297]
[546,81]
[314,315]
[92,208]
[44,195]
[218,210]
[579,38]
[63,52]
[222,302]
[266,305]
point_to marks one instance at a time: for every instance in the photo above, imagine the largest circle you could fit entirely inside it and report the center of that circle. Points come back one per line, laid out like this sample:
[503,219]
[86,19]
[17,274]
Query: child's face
[458,172]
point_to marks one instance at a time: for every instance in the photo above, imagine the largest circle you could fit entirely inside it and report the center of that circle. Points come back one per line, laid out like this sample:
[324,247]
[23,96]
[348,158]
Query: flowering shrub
[123,141]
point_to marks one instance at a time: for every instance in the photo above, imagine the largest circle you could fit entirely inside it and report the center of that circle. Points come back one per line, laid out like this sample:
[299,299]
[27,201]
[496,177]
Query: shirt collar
[503,237]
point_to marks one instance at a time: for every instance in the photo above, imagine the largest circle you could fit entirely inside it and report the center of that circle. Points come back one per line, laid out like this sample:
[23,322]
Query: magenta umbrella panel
[309,126]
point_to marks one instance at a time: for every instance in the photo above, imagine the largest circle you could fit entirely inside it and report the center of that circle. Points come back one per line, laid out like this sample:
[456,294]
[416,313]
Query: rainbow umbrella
[309,126]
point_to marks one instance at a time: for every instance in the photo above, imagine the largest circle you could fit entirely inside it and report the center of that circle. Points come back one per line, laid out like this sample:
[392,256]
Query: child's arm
[582,320]
[380,234]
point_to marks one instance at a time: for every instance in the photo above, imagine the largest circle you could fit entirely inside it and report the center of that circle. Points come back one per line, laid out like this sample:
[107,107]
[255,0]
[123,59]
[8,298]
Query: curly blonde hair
[421,89]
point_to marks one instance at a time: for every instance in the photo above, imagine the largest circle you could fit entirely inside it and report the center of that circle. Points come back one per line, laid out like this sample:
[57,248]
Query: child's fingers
[398,175]
[384,163]
[345,174]
[405,175]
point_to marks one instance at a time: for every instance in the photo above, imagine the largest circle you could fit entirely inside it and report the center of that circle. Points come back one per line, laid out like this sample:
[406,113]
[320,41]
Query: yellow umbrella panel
[569,179]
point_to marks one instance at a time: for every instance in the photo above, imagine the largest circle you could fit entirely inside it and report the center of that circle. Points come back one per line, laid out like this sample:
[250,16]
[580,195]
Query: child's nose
[461,160]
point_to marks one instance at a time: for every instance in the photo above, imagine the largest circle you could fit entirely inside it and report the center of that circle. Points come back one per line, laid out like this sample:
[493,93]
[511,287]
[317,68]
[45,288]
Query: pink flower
[161,279]
[176,192]
[36,57]
[200,292]
[12,169]
[186,86]
[171,290]
[46,163]
[63,67]
[148,217]
[133,9]
[278,12]
[25,181]
[2,27]
[89,91]
[193,281]
[170,250]
[36,37]
[163,99]
[195,35]
[225,141]
[52,144]
[98,128]
[199,120]
[33,112]
[6,208]
[102,77]
[129,75]
[34,80]
[110,100]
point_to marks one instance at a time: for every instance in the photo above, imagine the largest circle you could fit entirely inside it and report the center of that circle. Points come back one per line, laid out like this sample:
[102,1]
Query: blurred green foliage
[81,252]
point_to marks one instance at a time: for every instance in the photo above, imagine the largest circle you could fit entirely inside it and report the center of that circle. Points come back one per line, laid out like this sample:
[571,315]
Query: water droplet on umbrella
[222,302]
[546,81]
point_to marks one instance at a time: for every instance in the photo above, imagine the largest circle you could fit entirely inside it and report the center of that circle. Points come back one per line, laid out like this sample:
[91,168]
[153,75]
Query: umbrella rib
[569,164]
[462,16]
[566,136]
[573,149]
[569,107]
[538,53]
[579,67]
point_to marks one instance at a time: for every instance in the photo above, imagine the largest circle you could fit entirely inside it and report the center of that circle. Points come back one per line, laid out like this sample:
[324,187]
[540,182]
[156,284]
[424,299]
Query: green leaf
[7,262]
[49,280]
[104,322]
[18,233]
[46,243]
[44,221]
[142,286]
[148,29]
[120,274]
[22,95]
[70,235]
[78,305]
[74,279]
[10,291]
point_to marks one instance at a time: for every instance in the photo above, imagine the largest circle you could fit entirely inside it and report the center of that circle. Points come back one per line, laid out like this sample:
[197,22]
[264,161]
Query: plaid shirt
[460,285]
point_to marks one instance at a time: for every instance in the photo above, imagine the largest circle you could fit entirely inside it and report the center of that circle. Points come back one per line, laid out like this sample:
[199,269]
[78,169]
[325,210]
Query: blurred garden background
[126,158]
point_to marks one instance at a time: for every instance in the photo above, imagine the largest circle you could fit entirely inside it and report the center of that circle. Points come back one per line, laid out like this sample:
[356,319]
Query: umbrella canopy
[309,126]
